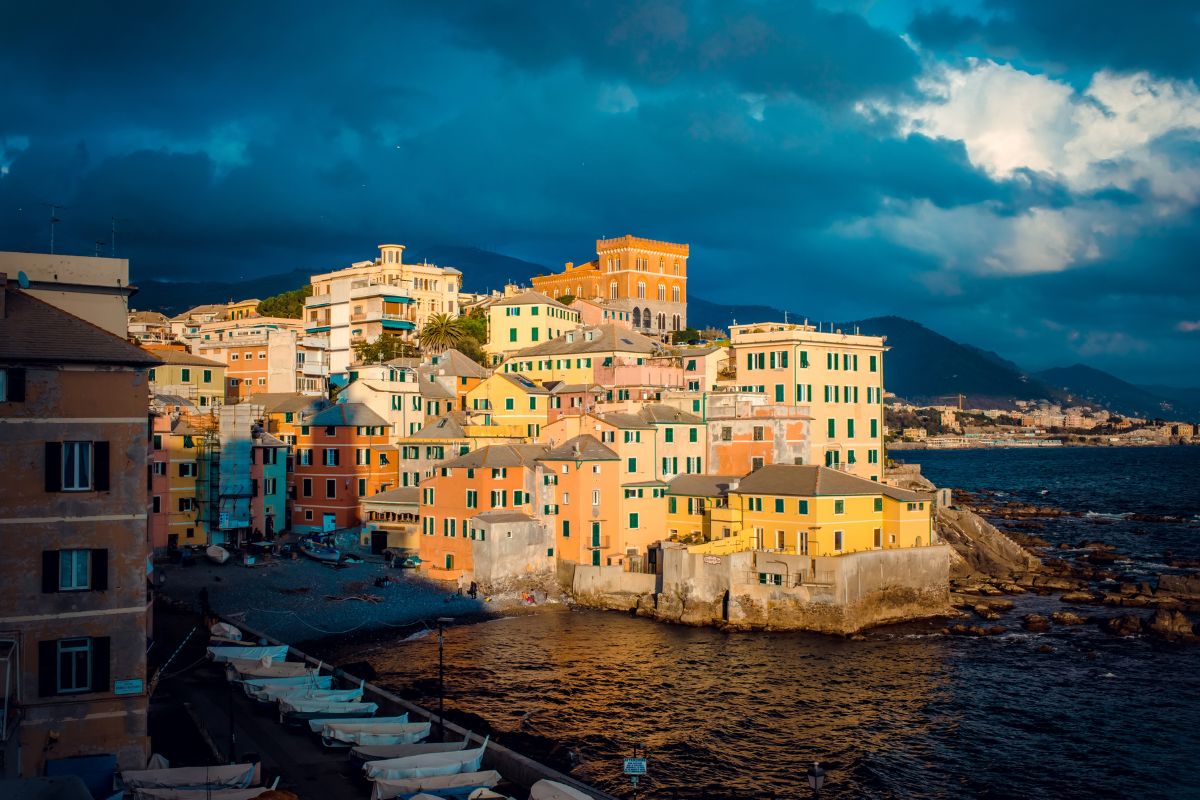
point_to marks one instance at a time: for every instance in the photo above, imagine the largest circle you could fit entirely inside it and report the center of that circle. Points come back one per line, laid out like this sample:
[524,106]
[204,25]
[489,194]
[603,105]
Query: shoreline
[923,447]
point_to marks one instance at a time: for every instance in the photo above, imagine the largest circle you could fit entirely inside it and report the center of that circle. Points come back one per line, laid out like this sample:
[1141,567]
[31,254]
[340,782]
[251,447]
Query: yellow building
[185,525]
[513,403]
[243,309]
[527,319]
[816,511]
[839,376]
[200,380]
[574,357]
[691,500]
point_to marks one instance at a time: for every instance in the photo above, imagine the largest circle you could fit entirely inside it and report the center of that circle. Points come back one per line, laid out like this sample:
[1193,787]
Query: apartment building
[520,320]
[149,327]
[73,608]
[513,403]
[91,288]
[575,356]
[837,375]
[595,311]
[181,374]
[448,436]
[370,299]
[263,355]
[650,275]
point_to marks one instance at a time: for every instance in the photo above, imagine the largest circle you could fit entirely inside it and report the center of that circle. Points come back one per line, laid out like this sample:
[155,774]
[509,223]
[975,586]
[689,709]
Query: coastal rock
[1068,618]
[1035,623]
[1078,597]
[1045,649]
[1057,583]
[986,612]
[1172,625]
[999,604]
[1136,601]
[1012,588]
[1183,585]
[1124,625]
[967,630]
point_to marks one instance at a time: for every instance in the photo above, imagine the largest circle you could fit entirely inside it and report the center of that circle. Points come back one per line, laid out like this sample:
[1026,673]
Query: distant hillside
[173,298]
[482,270]
[1088,384]
[705,314]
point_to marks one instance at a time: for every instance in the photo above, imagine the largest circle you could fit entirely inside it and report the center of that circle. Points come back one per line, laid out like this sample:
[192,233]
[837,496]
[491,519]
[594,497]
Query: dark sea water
[907,713]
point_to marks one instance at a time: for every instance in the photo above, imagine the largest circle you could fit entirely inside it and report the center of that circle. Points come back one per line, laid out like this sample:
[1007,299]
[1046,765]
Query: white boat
[199,794]
[553,790]
[271,690]
[248,669]
[463,782]
[217,554]
[303,693]
[230,776]
[223,630]
[318,725]
[301,710]
[225,653]
[320,552]
[346,734]
[426,766]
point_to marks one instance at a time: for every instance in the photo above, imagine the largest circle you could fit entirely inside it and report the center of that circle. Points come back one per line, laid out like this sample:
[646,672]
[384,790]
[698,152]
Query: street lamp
[441,623]
[816,778]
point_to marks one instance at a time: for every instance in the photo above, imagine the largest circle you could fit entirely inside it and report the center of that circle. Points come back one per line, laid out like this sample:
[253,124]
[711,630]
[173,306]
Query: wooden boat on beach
[217,554]
[318,725]
[272,691]
[296,711]
[460,785]
[320,552]
[364,753]
[346,734]
[426,766]
[224,653]
[249,669]
[230,776]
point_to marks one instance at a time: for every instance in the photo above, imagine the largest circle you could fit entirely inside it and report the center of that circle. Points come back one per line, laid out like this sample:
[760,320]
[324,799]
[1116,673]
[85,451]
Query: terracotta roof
[454,362]
[816,481]
[596,339]
[346,415]
[148,316]
[492,517]
[209,308]
[182,358]
[702,485]
[657,412]
[409,495]
[37,332]
[447,426]
[281,402]
[529,298]
[581,448]
[625,420]
[500,455]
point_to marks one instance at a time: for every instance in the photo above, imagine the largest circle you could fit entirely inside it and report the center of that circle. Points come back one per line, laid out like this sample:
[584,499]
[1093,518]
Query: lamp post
[816,778]
[441,623]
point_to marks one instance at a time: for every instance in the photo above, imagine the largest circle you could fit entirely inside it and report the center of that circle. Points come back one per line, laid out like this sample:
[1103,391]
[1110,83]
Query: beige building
[837,375]
[525,319]
[263,355]
[92,288]
[370,299]
[150,327]
[181,374]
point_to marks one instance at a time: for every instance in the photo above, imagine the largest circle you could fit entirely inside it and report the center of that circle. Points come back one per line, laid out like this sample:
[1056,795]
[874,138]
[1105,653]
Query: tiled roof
[282,402]
[529,298]
[523,383]
[503,516]
[625,420]
[702,485]
[500,455]
[345,415]
[558,387]
[209,308]
[657,412]
[36,332]
[447,426]
[402,494]
[581,448]
[436,390]
[182,358]
[816,481]
[148,316]
[596,339]
[454,362]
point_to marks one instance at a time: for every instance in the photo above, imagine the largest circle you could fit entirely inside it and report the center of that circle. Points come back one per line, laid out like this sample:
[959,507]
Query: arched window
[675,294]
[610,265]
[662,293]
[662,265]
[637,317]
[612,290]
[675,322]
[662,322]
[646,320]
[676,267]
[641,290]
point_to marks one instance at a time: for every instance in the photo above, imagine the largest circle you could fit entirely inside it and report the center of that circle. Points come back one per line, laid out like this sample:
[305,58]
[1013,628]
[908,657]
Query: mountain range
[922,365]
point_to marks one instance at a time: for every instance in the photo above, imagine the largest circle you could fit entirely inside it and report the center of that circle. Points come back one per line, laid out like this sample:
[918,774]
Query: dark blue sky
[1023,176]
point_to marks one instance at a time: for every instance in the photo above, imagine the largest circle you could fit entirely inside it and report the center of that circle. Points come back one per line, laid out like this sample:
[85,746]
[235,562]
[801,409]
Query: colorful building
[513,403]
[582,479]
[651,275]
[595,311]
[199,380]
[149,327]
[521,320]
[837,375]
[575,356]
[268,485]
[261,355]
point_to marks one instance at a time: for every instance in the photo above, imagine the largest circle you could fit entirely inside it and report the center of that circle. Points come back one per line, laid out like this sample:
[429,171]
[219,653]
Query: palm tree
[441,333]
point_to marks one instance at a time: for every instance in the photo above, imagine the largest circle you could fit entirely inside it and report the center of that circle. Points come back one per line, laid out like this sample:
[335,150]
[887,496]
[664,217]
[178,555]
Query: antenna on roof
[54,220]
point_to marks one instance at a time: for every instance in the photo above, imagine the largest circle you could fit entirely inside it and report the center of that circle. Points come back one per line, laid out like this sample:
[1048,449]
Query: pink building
[603,312]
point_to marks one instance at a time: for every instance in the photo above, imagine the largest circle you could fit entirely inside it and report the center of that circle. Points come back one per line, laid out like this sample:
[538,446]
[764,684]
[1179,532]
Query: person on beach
[474,590]
[461,581]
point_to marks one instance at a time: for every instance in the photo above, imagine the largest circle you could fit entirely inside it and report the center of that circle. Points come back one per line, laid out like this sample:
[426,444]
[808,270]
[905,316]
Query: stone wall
[772,591]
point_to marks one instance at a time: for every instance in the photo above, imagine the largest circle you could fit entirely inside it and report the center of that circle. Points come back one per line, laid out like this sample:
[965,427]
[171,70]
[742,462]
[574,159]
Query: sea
[906,712]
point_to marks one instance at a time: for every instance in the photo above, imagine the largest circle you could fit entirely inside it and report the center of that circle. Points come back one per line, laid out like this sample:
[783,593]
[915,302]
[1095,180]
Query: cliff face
[980,550]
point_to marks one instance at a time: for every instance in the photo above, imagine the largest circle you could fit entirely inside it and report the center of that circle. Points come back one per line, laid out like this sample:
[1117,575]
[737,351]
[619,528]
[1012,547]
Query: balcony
[315,369]
[598,543]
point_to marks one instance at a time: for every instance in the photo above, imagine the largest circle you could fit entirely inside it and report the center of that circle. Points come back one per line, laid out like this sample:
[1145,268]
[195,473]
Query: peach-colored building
[595,311]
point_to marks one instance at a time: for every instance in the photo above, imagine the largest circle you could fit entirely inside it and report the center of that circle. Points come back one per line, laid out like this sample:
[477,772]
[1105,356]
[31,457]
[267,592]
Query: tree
[286,304]
[684,336]
[385,348]
[475,325]
[712,334]
[567,299]
[442,332]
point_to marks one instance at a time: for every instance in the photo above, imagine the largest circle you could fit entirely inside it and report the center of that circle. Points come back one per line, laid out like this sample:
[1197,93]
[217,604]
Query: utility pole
[54,220]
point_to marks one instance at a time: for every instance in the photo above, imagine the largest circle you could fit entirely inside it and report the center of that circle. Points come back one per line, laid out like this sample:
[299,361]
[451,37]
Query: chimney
[570,265]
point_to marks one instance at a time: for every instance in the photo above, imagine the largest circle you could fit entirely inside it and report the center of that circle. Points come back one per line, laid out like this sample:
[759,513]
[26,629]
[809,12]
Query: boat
[320,552]
[295,711]
[294,694]
[553,790]
[439,786]
[208,793]
[248,669]
[317,725]
[223,630]
[426,766]
[345,734]
[269,689]
[230,776]
[364,753]
[217,554]
[224,653]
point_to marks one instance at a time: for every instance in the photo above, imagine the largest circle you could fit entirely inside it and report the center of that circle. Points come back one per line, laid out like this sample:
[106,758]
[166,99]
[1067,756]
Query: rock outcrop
[1172,626]
[981,549]
[1124,625]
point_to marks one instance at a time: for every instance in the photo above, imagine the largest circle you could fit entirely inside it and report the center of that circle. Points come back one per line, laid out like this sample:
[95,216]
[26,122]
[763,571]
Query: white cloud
[1188,325]
[1109,135]
[617,99]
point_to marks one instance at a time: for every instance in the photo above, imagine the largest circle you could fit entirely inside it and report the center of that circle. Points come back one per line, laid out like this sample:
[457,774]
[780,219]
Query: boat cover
[553,790]
[222,654]
[231,776]
[253,686]
[425,766]
[387,789]
[254,668]
[198,794]
[317,725]
[308,693]
[377,752]
[376,734]
[302,705]
[223,630]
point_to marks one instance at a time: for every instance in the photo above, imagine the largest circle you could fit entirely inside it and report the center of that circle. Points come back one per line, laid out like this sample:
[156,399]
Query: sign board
[712,559]
[130,686]
[635,766]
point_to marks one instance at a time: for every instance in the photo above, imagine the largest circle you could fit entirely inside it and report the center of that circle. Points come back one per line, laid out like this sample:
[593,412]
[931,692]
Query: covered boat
[272,689]
[224,653]
[365,753]
[426,766]
[295,711]
[440,786]
[223,630]
[320,552]
[258,668]
[344,734]
[217,554]
[201,794]
[230,776]
[317,725]
[553,790]
[300,693]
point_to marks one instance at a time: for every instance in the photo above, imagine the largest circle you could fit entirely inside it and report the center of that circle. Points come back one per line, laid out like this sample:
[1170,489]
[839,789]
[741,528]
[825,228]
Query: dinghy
[225,653]
[272,689]
[320,552]
[318,725]
[302,693]
[202,794]
[365,753]
[247,669]
[223,630]
[346,734]
[217,554]
[426,766]
[231,776]
[296,711]
[553,790]
[461,784]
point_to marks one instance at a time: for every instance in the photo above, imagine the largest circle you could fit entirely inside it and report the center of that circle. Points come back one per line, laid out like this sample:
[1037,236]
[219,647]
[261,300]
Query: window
[669,435]
[304,458]
[208,376]
[509,404]
[330,457]
[849,429]
[74,666]
[306,488]
[187,469]
[874,363]
[759,433]
[186,374]
[726,434]
[802,507]
[362,457]
[756,463]
[633,520]
[837,541]
[330,487]
[632,464]
[77,466]
[74,570]
[874,429]
[839,507]
[155,504]
[878,538]
[770,578]
[879,504]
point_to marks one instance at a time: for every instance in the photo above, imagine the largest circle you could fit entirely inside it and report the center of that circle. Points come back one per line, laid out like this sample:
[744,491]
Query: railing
[597,543]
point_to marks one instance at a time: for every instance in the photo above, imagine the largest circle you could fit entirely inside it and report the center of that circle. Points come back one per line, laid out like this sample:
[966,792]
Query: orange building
[582,479]
[650,275]
[342,455]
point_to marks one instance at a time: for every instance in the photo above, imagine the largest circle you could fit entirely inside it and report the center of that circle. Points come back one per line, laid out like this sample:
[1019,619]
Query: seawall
[763,590]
